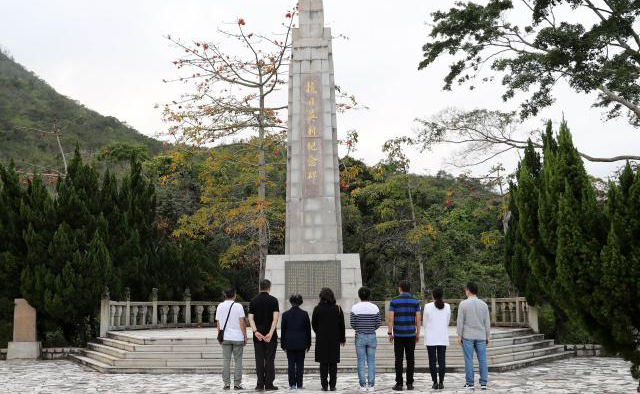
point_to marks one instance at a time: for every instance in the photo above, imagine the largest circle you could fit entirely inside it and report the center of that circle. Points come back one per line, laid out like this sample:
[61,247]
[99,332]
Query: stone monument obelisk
[313,256]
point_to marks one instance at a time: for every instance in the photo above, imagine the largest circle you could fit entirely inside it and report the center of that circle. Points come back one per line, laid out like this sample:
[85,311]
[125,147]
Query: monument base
[23,350]
[306,274]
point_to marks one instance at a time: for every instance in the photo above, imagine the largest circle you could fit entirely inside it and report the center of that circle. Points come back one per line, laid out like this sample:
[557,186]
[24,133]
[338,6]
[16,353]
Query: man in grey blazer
[474,331]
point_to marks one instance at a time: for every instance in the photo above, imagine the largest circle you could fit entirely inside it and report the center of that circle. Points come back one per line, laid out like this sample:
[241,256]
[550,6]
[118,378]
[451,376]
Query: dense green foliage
[457,235]
[60,250]
[574,251]
[28,102]
[531,45]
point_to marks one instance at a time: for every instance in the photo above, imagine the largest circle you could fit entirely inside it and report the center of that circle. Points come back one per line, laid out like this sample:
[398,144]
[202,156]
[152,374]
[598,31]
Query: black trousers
[404,347]
[437,353]
[265,361]
[296,367]
[330,369]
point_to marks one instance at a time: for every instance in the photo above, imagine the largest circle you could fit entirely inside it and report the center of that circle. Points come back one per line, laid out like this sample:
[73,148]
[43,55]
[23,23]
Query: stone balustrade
[505,312]
[132,315]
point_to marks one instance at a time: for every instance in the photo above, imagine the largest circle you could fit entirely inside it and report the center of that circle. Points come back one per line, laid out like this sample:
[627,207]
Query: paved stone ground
[582,375]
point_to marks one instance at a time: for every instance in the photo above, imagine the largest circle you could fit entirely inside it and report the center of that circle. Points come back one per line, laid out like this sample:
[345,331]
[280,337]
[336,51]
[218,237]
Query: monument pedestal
[307,274]
[23,350]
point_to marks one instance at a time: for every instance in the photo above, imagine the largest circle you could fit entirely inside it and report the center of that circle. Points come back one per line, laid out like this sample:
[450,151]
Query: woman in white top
[435,321]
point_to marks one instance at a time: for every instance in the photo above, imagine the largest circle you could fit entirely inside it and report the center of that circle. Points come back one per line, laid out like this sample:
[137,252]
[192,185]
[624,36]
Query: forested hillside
[27,102]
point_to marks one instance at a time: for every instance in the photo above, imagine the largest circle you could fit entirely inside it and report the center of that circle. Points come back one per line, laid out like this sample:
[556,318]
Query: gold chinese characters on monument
[312,128]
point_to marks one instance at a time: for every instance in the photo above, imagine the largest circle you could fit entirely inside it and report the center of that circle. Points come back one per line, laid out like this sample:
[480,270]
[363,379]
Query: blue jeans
[366,350]
[480,347]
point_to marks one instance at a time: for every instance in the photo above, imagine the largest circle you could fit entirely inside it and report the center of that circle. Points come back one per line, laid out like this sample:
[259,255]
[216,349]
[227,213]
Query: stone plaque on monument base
[307,274]
[25,343]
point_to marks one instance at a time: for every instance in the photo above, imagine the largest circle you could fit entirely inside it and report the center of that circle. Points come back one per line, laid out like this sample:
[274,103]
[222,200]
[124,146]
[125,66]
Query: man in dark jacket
[296,340]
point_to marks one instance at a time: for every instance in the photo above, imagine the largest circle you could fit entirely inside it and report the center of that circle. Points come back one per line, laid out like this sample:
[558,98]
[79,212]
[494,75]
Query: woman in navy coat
[296,339]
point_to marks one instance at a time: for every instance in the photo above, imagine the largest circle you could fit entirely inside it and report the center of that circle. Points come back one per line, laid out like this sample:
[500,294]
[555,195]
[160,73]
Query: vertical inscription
[312,127]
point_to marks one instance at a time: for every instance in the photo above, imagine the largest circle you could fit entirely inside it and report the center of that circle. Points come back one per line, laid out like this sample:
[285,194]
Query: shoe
[259,388]
[227,387]
[332,389]
[362,389]
[409,387]
[291,388]
[371,389]
[270,388]
[397,387]
[483,387]
[470,387]
[238,387]
[325,389]
[435,386]
[441,386]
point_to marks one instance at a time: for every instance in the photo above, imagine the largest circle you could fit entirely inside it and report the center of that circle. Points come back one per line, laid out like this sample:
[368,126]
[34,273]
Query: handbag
[221,332]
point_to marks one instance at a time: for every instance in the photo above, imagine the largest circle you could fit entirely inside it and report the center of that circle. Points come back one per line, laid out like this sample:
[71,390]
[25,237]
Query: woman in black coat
[328,324]
[296,339]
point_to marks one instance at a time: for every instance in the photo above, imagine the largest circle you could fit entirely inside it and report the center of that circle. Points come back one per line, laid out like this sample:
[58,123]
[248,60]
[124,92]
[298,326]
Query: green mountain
[27,103]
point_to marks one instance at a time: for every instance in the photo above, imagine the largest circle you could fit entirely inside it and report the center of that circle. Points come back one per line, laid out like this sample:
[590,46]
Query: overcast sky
[111,56]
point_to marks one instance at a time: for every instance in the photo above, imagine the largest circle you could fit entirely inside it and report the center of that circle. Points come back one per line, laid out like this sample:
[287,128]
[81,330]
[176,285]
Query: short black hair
[405,286]
[472,287]
[364,293]
[265,284]
[295,299]
[230,293]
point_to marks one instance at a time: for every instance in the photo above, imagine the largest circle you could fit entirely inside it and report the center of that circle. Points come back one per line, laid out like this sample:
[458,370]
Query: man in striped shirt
[365,320]
[404,331]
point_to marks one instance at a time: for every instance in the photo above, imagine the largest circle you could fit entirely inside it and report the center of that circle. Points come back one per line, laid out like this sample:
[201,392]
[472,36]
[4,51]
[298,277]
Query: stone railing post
[105,313]
[494,312]
[532,312]
[187,306]
[154,301]
[127,308]
[518,310]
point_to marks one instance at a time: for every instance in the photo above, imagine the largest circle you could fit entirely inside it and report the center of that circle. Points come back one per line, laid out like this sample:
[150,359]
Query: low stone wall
[586,350]
[50,353]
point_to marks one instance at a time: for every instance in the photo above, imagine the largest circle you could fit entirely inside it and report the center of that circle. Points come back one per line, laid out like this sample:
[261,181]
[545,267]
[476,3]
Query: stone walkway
[582,375]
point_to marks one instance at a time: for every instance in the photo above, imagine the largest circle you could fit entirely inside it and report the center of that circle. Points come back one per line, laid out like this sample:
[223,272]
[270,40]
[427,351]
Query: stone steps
[122,352]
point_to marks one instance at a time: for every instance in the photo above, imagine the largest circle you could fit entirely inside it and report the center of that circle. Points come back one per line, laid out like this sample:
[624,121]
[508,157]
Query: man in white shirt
[230,318]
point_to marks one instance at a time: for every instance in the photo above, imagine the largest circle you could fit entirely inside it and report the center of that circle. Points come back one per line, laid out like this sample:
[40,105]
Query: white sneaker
[362,389]
[483,387]
[371,389]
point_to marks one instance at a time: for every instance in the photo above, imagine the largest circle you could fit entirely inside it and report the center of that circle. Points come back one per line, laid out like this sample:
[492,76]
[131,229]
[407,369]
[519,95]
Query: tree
[398,159]
[484,135]
[580,256]
[236,105]
[592,46]
[234,97]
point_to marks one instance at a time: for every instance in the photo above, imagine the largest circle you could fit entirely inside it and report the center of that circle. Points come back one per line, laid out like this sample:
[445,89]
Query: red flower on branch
[241,22]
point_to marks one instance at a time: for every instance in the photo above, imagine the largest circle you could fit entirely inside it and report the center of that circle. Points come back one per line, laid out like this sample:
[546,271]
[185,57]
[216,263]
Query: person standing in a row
[474,330]
[263,317]
[328,324]
[296,340]
[436,317]
[365,320]
[403,323]
[233,331]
